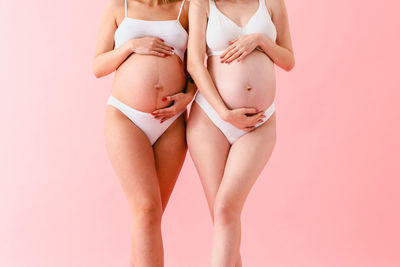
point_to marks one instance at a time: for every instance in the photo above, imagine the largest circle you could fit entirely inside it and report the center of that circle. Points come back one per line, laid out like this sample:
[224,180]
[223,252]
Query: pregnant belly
[248,83]
[143,80]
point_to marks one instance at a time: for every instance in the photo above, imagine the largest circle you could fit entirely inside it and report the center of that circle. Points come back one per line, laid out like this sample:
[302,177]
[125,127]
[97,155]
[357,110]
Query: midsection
[143,80]
[248,83]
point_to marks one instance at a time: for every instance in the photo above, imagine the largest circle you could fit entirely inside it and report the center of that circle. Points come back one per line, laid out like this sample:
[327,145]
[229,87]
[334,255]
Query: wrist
[259,38]
[224,114]
[132,46]
[264,42]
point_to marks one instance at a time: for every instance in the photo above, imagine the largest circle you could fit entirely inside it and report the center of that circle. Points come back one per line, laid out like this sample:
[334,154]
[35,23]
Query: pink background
[329,196]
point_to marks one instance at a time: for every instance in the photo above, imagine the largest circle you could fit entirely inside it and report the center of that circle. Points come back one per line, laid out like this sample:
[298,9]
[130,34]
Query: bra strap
[180,10]
[126,8]
[212,6]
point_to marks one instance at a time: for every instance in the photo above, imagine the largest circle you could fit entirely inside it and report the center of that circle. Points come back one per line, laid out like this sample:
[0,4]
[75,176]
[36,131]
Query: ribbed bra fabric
[171,31]
[221,29]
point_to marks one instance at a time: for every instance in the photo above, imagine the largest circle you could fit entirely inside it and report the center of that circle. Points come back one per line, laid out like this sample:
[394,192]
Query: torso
[141,81]
[250,82]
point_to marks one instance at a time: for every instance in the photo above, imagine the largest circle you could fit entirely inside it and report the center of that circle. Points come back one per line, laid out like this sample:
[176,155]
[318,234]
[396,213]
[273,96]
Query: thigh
[247,158]
[132,158]
[169,152]
[209,149]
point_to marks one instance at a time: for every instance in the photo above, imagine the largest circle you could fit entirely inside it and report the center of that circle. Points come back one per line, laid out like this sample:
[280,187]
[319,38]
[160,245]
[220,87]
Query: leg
[132,158]
[170,151]
[246,159]
[209,153]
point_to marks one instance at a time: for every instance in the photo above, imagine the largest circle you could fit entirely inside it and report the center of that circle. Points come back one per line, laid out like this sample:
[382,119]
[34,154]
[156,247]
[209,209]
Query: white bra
[221,29]
[171,31]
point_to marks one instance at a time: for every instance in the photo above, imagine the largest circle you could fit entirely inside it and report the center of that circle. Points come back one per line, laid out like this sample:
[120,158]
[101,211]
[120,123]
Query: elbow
[288,67]
[96,70]
[97,74]
[192,66]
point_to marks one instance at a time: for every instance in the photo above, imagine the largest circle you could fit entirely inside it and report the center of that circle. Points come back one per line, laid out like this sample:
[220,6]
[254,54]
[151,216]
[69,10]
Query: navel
[158,87]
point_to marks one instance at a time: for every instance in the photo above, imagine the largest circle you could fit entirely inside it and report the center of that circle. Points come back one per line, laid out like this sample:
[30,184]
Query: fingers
[165,47]
[156,53]
[167,112]
[234,56]
[159,46]
[242,56]
[165,118]
[227,50]
[252,111]
[172,97]
[163,50]
[249,128]
[234,40]
[256,119]
[229,54]
[164,112]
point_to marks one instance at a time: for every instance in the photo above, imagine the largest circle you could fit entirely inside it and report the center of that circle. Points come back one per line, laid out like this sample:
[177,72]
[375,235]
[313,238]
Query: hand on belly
[249,83]
[143,80]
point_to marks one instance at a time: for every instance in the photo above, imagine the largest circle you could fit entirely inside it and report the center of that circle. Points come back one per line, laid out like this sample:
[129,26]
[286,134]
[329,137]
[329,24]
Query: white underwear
[231,132]
[145,121]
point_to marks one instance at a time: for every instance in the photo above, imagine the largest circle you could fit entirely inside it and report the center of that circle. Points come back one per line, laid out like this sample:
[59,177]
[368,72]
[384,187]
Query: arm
[280,52]
[196,56]
[181,99]
[107,60]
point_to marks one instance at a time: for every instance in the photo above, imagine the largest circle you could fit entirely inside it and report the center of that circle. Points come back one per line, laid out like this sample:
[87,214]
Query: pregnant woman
[144,42]
[232,125]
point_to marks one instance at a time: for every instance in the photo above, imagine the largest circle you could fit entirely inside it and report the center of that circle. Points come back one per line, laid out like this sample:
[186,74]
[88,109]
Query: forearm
[206,86]
[108,62]
[281,56]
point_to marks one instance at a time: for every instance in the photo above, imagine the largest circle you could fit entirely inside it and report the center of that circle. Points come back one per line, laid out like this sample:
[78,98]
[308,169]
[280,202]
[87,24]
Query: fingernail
[153,113]
[161,121]
[164,99]
[165,55]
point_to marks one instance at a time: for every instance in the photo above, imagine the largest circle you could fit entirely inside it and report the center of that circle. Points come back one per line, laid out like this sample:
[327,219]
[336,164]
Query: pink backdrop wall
[329,196]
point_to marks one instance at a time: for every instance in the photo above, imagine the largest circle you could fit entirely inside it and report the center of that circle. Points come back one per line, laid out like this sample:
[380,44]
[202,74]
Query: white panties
[145,121]
[231,132]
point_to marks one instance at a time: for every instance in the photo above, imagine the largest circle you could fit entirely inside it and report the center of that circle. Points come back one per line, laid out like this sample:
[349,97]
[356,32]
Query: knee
[226,213]
[147,214]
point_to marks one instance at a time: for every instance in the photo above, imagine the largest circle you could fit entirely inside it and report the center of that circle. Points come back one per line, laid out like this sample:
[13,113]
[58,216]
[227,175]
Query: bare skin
[149,78]
[230,85]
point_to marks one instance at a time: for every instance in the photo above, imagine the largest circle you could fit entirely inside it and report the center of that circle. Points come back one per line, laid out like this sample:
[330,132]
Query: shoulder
[115,6]
[277,6]
[200,5]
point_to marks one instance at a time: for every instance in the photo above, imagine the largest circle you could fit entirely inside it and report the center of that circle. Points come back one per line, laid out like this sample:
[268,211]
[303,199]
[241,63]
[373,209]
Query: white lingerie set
[173,34]
[221,30]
